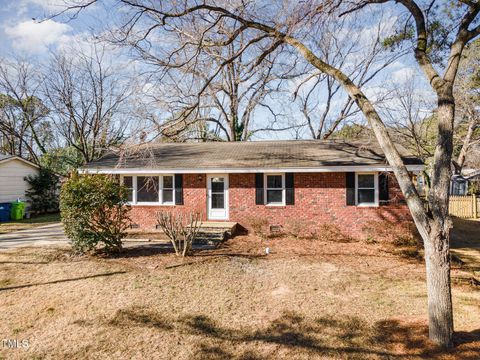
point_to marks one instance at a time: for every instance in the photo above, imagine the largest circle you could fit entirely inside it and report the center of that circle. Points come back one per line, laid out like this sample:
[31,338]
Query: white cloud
[403,75]
[35,37]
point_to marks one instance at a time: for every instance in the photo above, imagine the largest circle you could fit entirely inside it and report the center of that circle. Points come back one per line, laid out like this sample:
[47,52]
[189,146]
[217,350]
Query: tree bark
[437,245]
[440,311]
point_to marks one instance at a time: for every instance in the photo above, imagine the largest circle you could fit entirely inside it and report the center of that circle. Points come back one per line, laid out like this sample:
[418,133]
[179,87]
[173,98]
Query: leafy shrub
[94,211]
[43,191]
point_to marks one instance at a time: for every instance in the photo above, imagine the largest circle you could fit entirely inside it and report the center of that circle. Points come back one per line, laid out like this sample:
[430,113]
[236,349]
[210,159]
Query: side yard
[466,245]
[307,299]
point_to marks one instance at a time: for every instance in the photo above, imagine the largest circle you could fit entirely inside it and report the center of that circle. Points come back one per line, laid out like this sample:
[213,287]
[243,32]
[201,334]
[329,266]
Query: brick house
[281,183]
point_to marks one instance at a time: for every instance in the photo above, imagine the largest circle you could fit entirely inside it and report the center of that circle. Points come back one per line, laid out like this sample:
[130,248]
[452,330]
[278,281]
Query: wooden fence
[466,207]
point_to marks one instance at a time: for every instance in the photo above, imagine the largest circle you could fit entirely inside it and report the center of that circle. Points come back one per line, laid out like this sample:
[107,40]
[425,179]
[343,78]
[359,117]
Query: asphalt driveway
[51,234]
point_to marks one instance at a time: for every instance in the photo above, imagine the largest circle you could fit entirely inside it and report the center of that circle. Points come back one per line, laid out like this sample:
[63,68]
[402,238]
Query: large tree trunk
[440,311]
[437,244]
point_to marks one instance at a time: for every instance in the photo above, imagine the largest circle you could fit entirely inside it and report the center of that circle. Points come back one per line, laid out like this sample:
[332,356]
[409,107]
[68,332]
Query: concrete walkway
[40,236]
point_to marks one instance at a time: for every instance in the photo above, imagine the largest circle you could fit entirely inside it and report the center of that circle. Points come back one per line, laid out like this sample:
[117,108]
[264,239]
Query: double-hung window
[167,190]
[128,182]
[150,190]
[366,186]
[275,189]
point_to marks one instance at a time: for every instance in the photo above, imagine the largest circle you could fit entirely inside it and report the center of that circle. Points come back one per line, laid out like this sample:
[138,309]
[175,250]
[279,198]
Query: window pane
[217,185]
[147,189]
[218,201]
[128,182]
[274,196]
[366,196]
[167,196]
[366,181]
[168,182]
[274,181]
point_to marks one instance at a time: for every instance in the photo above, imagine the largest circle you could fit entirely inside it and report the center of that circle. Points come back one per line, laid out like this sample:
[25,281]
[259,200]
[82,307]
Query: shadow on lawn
[199,251]
[293,335]
[62,280]
[143,250]
[25,262]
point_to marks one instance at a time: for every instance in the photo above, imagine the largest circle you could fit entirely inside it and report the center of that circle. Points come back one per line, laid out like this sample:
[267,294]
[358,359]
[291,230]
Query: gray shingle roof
[244,155]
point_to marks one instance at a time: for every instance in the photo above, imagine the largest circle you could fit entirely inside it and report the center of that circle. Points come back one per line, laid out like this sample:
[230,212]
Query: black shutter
[259,189]
[383,188]
[178,189]
[350,185]
[289,190]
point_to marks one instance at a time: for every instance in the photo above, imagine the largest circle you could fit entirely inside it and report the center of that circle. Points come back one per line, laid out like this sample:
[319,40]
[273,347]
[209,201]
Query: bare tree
[87,95]
[205,103]
[467,95]
[410,117]
[24,126]
[358,50]
[294,24]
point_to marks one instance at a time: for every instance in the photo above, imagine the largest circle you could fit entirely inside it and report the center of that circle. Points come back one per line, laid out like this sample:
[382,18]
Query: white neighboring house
[13,170]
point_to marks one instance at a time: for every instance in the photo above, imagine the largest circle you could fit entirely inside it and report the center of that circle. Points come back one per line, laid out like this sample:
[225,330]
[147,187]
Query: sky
[26,29]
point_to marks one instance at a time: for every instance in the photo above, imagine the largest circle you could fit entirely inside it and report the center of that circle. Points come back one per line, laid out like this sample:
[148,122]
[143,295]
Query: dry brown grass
[307,299]
[399,238]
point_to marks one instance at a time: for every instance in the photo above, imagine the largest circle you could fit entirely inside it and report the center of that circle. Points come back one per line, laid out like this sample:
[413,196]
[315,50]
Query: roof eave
[344,168]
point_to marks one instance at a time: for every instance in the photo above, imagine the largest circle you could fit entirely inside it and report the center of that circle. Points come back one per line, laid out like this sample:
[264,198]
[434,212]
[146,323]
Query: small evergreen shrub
[43,191]
[94,212]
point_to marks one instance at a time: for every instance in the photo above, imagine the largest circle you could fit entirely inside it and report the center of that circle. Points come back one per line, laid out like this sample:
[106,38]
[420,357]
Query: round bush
[94,212]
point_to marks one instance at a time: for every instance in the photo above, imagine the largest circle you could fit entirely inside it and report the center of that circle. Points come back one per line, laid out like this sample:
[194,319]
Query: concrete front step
[209,233]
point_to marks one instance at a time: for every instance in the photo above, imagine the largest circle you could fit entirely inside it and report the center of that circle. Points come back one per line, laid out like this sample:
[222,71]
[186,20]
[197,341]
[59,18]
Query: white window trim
[160,190]
[265,188]
[376,191]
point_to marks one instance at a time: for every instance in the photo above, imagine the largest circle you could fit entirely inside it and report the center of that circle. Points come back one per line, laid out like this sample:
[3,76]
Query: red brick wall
[194,199]
[319,199]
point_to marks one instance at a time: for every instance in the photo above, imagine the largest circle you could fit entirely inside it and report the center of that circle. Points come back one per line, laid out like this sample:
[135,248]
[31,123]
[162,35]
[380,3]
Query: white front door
[217,202]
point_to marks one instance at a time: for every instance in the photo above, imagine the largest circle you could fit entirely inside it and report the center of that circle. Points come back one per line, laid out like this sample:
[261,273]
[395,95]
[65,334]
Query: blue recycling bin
[5,212]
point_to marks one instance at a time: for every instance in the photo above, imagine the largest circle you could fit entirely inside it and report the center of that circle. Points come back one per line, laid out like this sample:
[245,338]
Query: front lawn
[25,224]
[307,299]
